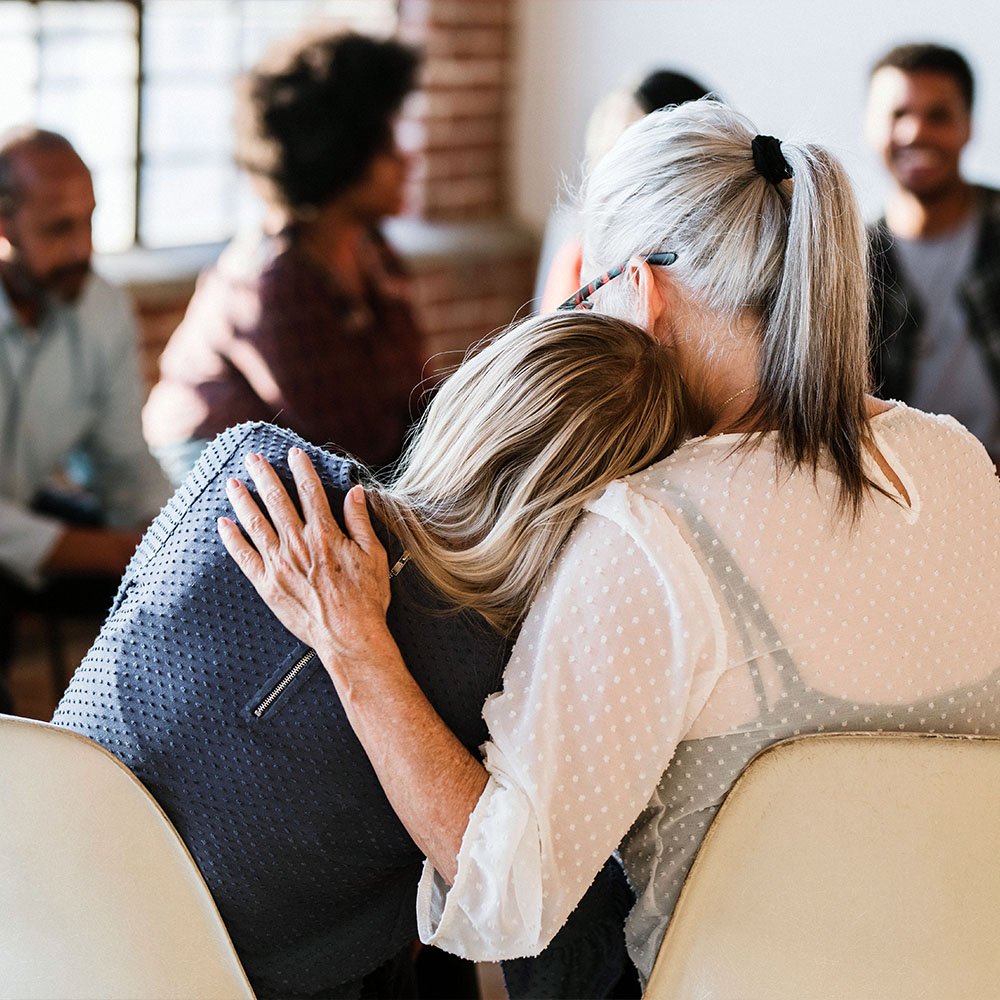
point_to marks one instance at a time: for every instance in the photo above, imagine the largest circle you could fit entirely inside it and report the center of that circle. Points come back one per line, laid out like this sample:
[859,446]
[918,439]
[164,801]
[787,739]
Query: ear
[969,131]
[651,292]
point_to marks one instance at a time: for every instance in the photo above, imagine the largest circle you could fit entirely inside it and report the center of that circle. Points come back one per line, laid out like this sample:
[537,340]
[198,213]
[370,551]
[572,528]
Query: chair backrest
[99,897]
[849,865]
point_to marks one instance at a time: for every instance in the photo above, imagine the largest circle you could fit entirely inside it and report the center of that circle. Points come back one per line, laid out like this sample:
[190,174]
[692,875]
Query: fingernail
[295,452]
[251,458]
[233,484]
[224,522]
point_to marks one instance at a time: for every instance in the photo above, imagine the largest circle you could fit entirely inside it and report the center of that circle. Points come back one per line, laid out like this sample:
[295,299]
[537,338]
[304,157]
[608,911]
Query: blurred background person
[70,395]
[936,250]
[561,255]
[308,324]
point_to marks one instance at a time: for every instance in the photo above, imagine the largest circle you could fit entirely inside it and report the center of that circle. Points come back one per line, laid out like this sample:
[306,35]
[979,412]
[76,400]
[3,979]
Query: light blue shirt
[72,385]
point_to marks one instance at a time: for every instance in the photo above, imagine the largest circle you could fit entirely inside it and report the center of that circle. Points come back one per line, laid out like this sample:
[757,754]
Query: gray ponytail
[814,361]
[791,253]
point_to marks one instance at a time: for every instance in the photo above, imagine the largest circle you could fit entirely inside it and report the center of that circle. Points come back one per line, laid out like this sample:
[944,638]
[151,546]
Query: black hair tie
[768,160]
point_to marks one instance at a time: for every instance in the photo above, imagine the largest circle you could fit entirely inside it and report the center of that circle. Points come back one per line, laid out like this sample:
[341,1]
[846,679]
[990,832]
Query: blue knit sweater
[236,729]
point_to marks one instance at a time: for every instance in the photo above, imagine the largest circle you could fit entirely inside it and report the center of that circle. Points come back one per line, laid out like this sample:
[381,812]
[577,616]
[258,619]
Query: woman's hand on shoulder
[329,589]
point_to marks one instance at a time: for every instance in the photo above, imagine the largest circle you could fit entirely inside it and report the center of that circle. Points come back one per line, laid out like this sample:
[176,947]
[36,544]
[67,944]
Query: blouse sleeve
[615,659]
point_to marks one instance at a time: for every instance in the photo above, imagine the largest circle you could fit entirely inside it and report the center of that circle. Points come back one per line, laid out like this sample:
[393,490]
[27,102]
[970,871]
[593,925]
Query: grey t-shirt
[951,373]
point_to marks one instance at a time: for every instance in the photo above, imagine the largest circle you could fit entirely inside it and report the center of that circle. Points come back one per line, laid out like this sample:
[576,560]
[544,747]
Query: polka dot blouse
[700,611]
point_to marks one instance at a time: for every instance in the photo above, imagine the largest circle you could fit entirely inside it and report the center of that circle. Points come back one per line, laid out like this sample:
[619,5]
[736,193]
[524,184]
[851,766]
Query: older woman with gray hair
[813,560]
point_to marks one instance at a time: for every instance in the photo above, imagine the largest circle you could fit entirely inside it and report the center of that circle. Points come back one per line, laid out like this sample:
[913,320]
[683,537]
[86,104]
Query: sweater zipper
[293,672]
[308,655]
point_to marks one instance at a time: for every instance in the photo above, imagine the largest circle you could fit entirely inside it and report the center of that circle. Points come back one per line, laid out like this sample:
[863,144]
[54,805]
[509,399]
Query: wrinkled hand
[329,589]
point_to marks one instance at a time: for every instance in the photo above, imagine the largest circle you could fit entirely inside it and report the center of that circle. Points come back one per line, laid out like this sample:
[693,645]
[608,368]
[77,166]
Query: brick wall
[455,315]
[477,286]
[157,320]
[481,269]
[457,122]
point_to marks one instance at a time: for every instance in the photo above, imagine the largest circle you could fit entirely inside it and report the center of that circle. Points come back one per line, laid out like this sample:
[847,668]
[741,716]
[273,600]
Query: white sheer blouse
[699,611]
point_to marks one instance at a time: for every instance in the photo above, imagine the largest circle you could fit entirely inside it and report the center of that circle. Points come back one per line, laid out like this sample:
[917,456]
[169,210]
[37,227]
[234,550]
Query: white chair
[99,897]
[846,866]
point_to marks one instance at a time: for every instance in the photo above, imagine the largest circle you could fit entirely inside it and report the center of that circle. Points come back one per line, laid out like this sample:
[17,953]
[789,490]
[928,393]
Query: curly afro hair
[313,114]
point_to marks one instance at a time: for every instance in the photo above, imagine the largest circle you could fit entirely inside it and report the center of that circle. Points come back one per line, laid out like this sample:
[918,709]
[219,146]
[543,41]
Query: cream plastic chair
[99,897]
[846,866]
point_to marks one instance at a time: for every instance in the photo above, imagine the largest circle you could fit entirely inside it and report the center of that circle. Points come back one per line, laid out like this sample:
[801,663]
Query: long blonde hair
[515,442]
[793,253]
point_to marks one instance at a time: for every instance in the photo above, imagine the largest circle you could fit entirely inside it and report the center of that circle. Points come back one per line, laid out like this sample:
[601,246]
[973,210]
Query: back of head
[515,442]
[316,110]
[619,108]
[22,142]
[789,252]
[664,87]
[927,57]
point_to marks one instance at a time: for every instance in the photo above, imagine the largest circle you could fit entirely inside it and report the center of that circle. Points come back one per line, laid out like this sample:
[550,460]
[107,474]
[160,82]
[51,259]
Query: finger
[243,553]
[249,514]
[312,496]
[359,523]
[273,494]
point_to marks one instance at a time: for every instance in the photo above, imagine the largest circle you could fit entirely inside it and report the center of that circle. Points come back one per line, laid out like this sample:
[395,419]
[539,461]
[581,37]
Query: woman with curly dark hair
[308,324]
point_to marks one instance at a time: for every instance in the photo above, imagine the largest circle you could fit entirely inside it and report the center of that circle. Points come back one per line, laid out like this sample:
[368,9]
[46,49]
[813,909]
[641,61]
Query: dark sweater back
[236,729]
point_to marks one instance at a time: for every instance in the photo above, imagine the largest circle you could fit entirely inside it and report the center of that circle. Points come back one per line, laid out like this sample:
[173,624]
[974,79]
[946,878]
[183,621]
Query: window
[143,88]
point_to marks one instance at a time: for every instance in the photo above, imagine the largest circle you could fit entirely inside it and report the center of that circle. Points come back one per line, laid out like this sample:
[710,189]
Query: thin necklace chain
[726,402]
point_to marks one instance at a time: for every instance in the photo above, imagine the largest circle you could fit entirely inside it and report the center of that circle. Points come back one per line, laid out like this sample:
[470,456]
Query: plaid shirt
[268,335]
[896,314]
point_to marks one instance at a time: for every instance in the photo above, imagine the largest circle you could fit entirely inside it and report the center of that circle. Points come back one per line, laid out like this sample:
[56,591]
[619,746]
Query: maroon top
[269,336]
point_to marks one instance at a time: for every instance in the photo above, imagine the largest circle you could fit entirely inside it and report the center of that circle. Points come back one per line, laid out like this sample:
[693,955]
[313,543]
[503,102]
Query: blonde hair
[792,253]
[513,445]
[612,114]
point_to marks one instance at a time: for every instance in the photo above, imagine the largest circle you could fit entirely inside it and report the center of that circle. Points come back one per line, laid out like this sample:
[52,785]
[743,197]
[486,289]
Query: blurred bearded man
[70,394]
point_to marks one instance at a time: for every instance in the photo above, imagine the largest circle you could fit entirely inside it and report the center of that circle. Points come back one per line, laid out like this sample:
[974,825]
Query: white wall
[798,68]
